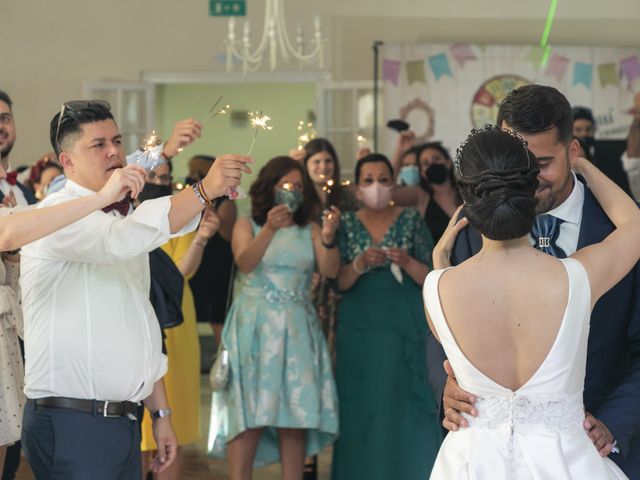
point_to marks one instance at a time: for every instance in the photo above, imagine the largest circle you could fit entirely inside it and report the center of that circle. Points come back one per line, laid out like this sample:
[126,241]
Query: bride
[514,321]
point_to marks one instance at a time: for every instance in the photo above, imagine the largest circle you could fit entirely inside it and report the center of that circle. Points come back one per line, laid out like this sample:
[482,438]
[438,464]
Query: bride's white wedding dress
[537,431]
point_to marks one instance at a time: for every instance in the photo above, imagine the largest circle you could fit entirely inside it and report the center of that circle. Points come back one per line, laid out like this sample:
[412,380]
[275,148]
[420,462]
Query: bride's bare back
[505,310]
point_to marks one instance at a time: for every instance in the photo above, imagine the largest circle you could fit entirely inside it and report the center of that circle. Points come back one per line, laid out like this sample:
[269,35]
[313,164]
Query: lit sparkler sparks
[258,121]
[149,142]
[306,135]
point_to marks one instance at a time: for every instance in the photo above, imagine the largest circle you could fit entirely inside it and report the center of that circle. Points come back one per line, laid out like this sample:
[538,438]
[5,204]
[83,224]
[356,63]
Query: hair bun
[499,184]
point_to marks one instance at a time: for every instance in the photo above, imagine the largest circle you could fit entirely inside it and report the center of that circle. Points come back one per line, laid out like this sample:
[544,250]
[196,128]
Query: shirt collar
[78,189]
[571,209]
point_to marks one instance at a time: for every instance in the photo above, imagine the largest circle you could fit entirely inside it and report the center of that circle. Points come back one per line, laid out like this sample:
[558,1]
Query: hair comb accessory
[488,128]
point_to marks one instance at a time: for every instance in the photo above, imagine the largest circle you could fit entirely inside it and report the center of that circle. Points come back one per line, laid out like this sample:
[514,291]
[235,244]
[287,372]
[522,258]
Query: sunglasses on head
[76,106]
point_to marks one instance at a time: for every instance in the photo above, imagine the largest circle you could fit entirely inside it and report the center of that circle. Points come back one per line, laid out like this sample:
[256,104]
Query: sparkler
[212,113]
[149,158]
[258,121]
[306,135]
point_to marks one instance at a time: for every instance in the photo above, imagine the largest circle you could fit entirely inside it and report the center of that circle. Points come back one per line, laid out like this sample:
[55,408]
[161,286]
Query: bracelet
[197,190]
[355,268]
[328,245]
[200,187]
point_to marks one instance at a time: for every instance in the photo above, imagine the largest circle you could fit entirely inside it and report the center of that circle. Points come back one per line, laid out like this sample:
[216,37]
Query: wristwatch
[162,413]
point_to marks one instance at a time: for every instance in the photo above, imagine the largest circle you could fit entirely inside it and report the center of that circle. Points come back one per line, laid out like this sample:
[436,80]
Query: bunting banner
[557,66]
[391,71]
[480,77]
[583,74]
[415,72]
[462,53]
[440,65]
[630,68]
[608,74]
[535,56]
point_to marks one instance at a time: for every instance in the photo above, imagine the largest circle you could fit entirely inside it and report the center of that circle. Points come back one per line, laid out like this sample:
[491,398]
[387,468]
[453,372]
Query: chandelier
[274,38]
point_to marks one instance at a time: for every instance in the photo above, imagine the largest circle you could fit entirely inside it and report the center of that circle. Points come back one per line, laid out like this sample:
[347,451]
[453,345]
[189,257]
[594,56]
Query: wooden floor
[200,467]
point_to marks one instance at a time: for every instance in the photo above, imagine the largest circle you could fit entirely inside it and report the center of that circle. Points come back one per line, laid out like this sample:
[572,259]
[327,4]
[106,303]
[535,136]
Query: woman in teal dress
[388,424]
[280,403]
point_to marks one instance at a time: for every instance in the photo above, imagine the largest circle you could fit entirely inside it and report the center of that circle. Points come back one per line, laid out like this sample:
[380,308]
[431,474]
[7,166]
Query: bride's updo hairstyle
[497,177]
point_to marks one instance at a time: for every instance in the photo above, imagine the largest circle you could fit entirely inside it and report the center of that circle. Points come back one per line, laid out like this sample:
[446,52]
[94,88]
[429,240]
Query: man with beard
[12,192]
[584,129]
[569,219]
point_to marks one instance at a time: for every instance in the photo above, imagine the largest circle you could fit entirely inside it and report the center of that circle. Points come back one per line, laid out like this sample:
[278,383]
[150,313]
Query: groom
[543,116]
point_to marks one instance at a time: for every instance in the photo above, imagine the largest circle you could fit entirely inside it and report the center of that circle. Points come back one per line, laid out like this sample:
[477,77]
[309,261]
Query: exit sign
[227,8]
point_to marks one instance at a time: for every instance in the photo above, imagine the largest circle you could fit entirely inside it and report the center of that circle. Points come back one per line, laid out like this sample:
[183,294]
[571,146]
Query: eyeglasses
[76,106]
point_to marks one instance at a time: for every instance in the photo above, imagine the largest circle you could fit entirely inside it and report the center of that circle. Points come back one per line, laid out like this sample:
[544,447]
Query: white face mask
[376,196]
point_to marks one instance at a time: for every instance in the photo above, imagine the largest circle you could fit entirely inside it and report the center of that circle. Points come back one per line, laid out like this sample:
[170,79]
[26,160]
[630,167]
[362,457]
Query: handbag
[219,373]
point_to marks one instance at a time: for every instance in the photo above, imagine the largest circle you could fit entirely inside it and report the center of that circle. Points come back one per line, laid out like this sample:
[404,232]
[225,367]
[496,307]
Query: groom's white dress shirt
[90,330]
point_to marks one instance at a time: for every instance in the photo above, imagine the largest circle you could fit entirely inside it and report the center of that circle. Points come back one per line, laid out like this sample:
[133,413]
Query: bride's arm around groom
[612,387]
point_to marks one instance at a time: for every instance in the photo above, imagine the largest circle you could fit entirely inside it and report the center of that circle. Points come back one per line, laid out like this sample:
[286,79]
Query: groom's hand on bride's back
[456,401]
[599,434]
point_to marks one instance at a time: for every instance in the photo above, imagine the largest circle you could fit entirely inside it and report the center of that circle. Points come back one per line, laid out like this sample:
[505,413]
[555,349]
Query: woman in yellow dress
[182,380]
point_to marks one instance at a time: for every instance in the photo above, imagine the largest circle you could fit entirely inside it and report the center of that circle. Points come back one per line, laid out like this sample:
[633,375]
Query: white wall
[50,47]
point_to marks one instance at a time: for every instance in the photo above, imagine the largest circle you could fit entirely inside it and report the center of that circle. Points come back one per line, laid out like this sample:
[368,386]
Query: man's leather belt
[97,407]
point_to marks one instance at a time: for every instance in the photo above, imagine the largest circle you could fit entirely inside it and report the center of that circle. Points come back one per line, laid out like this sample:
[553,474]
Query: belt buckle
[105,413]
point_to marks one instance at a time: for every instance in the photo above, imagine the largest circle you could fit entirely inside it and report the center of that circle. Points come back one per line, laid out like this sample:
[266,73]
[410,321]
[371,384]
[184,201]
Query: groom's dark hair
[534,109]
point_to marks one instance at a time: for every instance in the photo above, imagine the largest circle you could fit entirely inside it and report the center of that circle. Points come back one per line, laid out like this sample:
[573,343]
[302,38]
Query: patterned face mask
[293,199]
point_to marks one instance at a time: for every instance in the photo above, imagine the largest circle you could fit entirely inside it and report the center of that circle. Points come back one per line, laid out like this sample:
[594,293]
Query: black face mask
[589,144]
[151,191]
[437,173]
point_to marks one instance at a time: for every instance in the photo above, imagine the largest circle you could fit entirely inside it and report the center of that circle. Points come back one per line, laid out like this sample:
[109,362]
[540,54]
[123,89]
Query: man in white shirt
[93,347]
[12,192]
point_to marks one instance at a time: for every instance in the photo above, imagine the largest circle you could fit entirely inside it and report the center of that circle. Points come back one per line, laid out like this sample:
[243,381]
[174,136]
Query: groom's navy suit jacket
[612,383]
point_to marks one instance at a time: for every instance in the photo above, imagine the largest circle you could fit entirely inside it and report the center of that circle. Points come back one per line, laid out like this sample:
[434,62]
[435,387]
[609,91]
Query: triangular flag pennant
[583,74]
[557,66]
[535,56]
[440,65]
[462,52]
[391,70]
[415,72]
[630,68]
[608,74]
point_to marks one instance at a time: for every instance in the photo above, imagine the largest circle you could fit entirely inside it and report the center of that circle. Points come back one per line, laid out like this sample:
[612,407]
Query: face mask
[589,142]
[437,173]
[376,196]
[410,175]
[293,199]
[151,190]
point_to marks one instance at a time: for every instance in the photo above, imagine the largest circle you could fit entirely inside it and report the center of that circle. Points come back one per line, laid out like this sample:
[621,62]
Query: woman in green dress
[388,423]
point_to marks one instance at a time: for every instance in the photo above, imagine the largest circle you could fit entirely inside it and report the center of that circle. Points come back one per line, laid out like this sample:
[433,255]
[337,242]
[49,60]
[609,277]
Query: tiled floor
[200,467]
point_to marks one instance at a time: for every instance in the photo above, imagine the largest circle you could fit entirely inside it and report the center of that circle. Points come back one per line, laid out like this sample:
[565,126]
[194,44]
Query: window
[346,111]
[132,107]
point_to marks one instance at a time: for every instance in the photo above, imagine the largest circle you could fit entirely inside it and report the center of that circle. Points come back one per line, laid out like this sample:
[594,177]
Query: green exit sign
[227,8]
